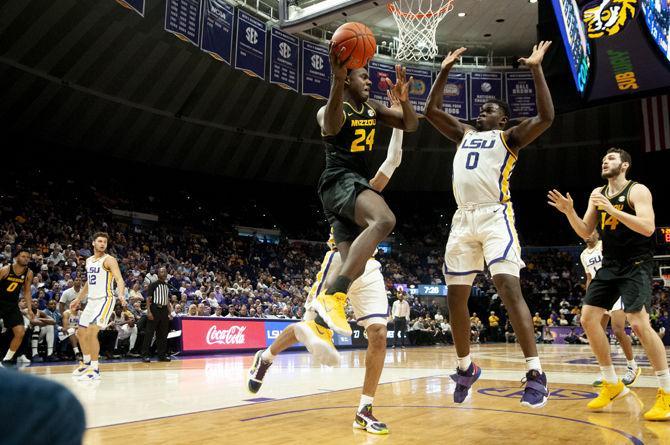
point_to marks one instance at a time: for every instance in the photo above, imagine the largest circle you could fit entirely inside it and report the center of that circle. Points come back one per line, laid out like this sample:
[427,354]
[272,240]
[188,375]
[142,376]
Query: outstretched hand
[452,58]
[394,103]
[536,57]
[562,203]
[402,86]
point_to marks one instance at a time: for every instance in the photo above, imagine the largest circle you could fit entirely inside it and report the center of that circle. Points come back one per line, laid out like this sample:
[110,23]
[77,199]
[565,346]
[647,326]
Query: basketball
[358,42]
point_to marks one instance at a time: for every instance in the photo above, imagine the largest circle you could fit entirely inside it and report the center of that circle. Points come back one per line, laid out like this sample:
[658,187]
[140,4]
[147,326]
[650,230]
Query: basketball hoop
[417,22]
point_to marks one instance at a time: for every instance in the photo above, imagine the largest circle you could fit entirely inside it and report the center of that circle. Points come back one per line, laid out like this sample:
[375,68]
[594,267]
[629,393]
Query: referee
[158,319]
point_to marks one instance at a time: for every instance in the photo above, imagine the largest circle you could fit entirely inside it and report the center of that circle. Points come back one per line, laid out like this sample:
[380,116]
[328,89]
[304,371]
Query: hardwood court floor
[203,400]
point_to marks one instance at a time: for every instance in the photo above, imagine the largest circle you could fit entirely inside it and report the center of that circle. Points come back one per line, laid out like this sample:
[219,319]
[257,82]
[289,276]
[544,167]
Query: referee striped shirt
[159,292]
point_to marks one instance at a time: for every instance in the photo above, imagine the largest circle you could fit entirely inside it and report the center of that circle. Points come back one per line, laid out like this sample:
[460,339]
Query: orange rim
[443,10]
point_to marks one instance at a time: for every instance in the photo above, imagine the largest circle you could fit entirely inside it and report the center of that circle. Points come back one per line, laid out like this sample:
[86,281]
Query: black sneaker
[366,421]
[133,355]
[9,364]
[146,359]
[257,372]
[36,359]
[164,359]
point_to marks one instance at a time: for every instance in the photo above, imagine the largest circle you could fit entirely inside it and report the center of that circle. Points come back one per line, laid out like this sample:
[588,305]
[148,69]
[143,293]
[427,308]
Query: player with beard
[623,214]
[14,280]
[483,229]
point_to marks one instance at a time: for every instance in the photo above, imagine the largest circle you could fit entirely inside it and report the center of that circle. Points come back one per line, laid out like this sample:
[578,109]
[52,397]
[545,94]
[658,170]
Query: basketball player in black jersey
[358,215]
[14,279]
[623,214]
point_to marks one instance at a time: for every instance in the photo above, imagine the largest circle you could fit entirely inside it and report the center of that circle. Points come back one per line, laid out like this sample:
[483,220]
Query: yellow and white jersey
[592,259]
[482,168]
[99,279]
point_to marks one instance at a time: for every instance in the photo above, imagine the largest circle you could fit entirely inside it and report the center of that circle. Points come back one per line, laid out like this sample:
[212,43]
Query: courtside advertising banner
[220,334]
[182,18]
[217,30]
[455,101]
[378,73]
[315,70]
[284,50]
[484,87]
[521,94]
[250,49]
[134,5]
[274,328]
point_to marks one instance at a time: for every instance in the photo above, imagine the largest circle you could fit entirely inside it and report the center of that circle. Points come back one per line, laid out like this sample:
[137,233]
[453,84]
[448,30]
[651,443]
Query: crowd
[214,271]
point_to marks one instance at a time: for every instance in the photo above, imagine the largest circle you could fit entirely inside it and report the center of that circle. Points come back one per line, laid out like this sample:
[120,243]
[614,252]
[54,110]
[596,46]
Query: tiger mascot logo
[609,17]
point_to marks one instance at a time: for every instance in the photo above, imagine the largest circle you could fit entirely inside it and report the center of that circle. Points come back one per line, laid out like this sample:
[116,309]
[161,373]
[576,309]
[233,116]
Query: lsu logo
[609,17]
[479,144]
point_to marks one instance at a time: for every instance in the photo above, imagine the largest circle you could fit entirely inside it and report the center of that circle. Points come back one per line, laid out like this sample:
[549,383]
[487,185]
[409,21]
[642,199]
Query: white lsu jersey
[99,279]
[592,259]
[482,168]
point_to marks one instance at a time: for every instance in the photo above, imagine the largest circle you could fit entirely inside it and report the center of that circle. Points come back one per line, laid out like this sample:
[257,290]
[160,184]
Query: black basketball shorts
[631,279]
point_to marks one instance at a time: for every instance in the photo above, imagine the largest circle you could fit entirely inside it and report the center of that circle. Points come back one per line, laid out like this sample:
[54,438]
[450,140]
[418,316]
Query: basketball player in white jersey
[592,260]
[482,229]
[367,296]
[101,270]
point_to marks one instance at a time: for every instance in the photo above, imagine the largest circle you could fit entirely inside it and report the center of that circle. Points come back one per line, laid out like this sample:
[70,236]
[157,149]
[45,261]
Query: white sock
[464,362]
[9,355]
[267,356]
[664,380]
[533,363]
[609,374]
[87,359]
[50,351]
[365,400]
[94,365]
[632,364]
[76,350]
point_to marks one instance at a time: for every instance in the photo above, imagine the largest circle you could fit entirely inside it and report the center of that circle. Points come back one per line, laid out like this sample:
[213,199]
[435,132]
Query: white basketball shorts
[367,294]
[482,233]
[97,311]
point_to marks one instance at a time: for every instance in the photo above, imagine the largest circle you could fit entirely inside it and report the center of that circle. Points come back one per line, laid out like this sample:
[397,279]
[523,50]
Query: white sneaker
[81,369]
[90,375]
[22,359]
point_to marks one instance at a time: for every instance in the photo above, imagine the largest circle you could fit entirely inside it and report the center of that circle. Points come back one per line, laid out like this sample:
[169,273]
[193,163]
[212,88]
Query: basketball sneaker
[10,364]
[257,372]
[89,375]
[661,409]
[464,381]
[598,383]
[631,375]
[608,393]
[366,421]
[331,310]
[318,341]
[81,369]
[536,393]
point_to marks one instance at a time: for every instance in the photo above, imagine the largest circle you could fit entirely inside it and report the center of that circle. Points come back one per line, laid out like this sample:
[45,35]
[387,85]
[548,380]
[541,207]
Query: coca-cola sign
[211,334]
[232,336]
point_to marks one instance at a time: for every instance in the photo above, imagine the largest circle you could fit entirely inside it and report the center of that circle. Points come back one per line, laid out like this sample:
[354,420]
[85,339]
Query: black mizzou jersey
[12,286]
[620,242]
[350,149]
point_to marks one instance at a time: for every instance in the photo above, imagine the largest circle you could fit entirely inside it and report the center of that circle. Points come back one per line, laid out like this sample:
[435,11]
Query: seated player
[43,327]
[70,325]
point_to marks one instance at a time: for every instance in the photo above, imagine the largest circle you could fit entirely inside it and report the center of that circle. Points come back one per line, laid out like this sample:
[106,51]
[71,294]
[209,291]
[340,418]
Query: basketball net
[417,22]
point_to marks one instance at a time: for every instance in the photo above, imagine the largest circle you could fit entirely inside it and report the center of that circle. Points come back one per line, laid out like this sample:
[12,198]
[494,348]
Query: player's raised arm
[445,123]
[583,227]
[333,113]
[403,117]
[113,266]
[643,222]
[530,129]
[393,154]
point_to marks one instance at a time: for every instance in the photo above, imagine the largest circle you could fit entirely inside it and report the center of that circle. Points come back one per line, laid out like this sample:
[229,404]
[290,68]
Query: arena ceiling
[101,79]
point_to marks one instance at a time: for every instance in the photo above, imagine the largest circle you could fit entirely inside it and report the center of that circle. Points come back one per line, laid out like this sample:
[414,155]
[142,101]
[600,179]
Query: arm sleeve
[393,154]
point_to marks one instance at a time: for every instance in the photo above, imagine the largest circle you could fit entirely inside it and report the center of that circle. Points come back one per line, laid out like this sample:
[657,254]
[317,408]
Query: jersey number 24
[363,140]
